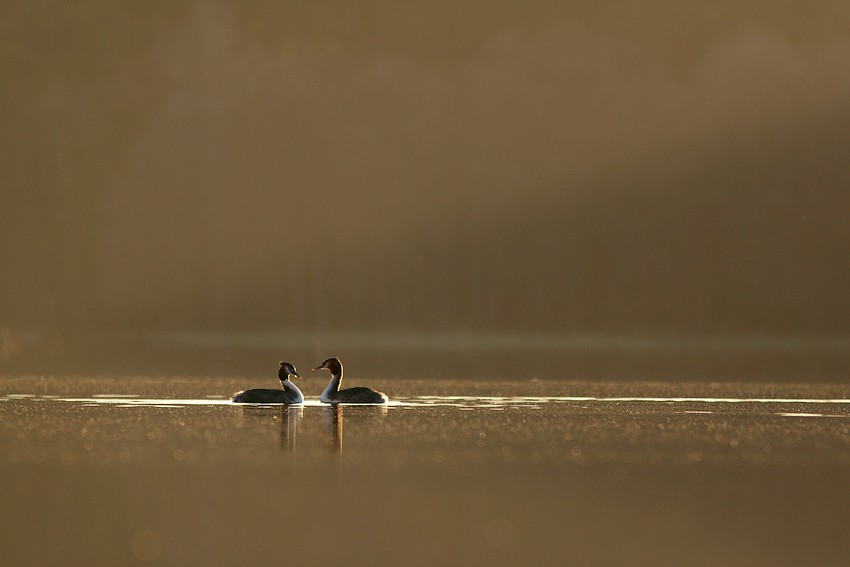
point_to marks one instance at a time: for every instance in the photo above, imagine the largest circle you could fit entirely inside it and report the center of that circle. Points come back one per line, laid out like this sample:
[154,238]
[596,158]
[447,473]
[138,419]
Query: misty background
[566,189]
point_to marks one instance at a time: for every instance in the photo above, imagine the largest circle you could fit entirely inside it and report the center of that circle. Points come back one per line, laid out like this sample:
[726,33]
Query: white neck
[290,387]
[333,387]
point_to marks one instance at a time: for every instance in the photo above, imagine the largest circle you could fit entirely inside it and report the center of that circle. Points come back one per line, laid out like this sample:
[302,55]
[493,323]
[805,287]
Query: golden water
[126,470]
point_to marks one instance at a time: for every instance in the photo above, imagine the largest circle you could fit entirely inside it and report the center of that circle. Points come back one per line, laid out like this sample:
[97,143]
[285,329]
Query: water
[165,471]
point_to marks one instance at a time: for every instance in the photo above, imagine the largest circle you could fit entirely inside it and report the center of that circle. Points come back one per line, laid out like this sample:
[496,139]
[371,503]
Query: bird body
[334,395]
[290,394]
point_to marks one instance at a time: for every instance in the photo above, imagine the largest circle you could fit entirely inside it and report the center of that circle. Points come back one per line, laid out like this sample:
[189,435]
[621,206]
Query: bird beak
[296,375]
[319,368]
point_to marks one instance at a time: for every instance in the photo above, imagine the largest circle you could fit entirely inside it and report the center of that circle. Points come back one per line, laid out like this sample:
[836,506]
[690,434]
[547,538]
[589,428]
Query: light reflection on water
[495,403]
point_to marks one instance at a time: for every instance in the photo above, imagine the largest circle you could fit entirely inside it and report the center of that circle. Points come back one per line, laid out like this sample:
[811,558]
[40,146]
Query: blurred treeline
[503,167]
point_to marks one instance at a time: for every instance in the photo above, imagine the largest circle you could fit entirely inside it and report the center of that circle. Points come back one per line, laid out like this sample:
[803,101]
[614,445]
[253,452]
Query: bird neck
[288,386]
[333,385]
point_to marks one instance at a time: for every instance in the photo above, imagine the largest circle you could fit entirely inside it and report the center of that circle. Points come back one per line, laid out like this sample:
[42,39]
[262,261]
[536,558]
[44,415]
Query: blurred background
[485,189]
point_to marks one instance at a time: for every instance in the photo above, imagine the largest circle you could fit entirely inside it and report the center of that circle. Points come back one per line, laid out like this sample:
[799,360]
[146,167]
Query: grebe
[289,395]
[333,395]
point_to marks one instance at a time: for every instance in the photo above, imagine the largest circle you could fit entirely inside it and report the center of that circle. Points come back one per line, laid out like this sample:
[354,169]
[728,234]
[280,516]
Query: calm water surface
[165,471]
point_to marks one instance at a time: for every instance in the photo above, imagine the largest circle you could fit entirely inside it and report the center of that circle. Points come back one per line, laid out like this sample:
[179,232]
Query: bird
[289,395]
[333,395]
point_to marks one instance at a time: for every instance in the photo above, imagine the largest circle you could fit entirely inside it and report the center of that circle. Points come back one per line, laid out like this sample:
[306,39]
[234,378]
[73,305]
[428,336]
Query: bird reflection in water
[290,422]
[333,416]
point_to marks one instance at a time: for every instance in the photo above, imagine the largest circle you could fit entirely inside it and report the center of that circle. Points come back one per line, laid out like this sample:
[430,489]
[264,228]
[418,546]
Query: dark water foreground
[164,471]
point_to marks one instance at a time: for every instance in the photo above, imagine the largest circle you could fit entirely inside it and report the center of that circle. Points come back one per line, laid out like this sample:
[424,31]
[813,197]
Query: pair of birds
[292,395]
